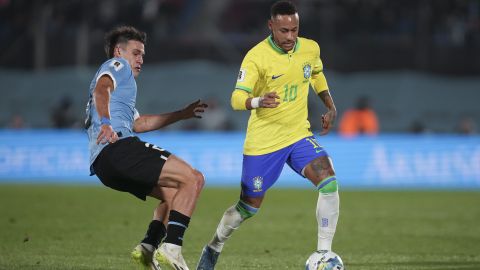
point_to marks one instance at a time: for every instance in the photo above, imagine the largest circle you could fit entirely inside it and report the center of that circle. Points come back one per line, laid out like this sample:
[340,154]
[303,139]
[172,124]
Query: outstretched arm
[328,119]
[150,122]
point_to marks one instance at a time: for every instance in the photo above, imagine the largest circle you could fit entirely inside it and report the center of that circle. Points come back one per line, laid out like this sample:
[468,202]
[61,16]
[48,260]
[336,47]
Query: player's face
[133,51]
[285,30]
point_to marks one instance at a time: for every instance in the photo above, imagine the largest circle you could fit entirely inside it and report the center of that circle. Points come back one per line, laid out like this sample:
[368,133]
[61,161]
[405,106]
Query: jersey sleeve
[117,69]
[318,81]
[248,74]
[239,97]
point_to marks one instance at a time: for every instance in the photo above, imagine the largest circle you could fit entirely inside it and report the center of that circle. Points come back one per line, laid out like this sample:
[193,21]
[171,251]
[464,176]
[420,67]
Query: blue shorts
[259,173]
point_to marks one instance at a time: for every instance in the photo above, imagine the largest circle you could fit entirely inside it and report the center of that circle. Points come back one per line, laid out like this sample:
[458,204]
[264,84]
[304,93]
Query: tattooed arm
[328,119]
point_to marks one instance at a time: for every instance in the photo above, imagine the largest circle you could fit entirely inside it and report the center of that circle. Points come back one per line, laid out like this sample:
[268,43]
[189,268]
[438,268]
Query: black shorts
[130,165]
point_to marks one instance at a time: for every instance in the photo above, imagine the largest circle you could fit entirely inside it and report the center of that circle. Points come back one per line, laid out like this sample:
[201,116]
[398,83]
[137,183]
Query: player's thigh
[177,172]
[131,165]
[309,159]
[260,172]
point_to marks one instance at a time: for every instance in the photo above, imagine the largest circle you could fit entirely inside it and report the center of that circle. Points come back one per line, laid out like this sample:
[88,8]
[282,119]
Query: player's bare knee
[322,168]
[193,180]
[328,172]
[199,180]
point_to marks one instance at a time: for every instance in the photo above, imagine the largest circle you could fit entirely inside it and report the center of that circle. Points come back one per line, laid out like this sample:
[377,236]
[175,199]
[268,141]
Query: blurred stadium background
[416,61]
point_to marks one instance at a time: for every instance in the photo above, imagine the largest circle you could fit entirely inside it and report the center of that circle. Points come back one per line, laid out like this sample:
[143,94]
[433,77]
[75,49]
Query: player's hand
[107,135]
[269,100]
[194,109]
[328,120]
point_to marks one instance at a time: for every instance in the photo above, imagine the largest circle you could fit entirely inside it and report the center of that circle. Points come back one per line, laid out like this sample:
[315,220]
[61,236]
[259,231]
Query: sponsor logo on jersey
[276,77]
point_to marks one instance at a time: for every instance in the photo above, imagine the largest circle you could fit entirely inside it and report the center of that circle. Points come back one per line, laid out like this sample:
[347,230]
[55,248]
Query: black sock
[177,224]
[155,233]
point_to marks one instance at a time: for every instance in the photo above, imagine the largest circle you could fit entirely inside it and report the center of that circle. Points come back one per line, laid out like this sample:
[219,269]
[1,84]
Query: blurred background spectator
[404,54]
[62,115]
[436,36]
[359,120]
[417,127]
[466,126]
[16,121]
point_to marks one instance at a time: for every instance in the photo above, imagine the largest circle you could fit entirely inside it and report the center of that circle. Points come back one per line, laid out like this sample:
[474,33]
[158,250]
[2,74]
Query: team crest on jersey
[307,70]
[241,75]
[257,183]
[116,65]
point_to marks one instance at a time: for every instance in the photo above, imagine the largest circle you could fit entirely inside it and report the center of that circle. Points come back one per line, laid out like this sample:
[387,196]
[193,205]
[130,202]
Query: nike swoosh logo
[275,77]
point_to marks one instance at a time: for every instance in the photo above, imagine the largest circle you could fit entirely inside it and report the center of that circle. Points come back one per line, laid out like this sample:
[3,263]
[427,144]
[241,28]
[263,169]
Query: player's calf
[231,220]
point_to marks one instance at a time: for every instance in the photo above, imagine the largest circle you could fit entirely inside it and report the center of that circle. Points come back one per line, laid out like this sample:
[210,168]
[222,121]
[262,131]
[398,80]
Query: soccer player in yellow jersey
[273,84]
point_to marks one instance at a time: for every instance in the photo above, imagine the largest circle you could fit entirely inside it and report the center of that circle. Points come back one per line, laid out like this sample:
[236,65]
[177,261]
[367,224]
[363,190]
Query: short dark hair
[282,8]
[122,34]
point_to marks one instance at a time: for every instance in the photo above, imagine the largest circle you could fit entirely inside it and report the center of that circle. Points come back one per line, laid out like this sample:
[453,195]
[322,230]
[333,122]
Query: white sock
[231,220]
[328,206]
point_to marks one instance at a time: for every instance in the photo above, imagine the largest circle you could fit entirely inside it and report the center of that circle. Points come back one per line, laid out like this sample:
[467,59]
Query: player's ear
[116,51]
[270,25]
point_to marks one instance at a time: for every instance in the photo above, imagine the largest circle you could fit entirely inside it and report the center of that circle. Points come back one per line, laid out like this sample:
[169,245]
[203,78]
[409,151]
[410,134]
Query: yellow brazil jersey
[267,68]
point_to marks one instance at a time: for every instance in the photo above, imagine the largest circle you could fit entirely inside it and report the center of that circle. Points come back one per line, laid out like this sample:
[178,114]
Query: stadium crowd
[355,35]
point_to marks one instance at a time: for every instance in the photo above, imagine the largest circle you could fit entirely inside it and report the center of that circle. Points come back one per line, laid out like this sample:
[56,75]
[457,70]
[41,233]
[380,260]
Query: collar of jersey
[280,50]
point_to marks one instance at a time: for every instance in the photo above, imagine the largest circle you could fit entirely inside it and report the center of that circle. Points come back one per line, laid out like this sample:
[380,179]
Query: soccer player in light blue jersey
[125,163]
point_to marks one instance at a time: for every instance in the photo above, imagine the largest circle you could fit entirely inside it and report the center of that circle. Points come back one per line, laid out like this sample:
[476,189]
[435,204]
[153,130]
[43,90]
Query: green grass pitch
[93,227]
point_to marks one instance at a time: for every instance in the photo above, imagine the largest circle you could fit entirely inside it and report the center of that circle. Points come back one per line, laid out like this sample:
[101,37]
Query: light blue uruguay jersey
[122,103]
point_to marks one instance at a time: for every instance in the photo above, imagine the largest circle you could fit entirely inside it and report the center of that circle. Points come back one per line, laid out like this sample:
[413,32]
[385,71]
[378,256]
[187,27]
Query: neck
[275,42]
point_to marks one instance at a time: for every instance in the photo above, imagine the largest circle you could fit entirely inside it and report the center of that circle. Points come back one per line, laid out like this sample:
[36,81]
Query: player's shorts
[130,165]
[260,172]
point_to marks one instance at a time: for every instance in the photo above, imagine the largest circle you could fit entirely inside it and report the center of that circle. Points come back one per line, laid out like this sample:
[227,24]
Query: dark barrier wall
[400,98]
[388,161]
